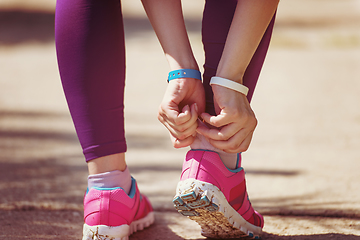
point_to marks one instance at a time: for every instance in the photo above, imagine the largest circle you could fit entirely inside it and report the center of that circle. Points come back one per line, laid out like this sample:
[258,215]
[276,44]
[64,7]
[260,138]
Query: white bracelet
[229,84]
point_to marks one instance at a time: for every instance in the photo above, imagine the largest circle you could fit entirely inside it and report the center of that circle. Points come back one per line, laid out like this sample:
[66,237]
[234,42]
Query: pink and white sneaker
[110,213]
[216,198]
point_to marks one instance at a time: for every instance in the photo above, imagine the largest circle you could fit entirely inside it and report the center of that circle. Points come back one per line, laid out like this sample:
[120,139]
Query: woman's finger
[183,117]
[177,143]
[217,121]
[185,125]
[239,142]
[191,130]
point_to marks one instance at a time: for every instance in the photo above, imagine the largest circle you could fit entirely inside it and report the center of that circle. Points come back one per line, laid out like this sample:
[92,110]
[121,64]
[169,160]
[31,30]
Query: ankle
[230,160]
[107,164]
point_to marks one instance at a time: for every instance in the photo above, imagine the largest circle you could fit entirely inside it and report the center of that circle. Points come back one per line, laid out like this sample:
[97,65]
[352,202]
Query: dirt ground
[302,167]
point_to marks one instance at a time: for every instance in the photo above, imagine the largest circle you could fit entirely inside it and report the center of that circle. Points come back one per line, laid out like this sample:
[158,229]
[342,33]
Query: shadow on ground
[21,26]
[311,237]
[304,205]
[40,165]
[42,189]
[40,224]
[160,230]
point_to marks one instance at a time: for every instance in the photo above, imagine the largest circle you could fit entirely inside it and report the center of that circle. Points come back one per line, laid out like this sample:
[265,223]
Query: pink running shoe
[216,198]
[110,213]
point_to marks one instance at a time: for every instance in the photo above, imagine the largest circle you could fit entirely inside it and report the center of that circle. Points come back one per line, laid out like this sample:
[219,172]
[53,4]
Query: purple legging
[91,56]
[217,19]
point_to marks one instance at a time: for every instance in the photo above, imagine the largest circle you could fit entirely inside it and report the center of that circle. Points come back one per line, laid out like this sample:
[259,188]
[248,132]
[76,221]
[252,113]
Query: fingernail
[196,107]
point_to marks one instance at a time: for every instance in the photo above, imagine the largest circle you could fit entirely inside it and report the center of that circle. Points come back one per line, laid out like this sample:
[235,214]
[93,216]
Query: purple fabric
[90,47]
[216,23]
[91,56]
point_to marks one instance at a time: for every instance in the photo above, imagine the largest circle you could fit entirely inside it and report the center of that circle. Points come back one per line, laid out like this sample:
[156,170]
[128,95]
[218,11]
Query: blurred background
[302,166]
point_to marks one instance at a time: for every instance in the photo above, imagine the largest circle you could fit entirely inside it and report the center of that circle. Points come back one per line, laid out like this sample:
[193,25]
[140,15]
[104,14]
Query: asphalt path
[303,163]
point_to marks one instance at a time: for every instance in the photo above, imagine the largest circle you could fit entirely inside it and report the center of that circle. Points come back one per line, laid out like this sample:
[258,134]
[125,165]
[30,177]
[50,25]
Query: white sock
[230,160]
[111,179]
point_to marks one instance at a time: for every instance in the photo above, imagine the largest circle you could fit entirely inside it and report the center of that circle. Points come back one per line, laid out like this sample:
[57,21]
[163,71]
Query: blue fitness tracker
[184,73]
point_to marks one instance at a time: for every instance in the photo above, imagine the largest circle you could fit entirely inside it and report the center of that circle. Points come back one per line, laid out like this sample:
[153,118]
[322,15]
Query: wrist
[230,72]
[233,85]
[181,63]
[238,78]
[184,73]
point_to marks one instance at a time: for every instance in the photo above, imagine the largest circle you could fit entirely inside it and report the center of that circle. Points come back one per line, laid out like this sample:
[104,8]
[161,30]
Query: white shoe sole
[103,232]
[206,204]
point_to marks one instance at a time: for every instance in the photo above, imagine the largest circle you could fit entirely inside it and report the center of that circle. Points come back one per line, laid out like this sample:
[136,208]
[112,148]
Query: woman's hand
[234,124]
[183,101]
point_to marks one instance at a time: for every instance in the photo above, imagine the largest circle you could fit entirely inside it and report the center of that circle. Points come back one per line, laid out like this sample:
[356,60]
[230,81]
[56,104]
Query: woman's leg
[91,57]
[217,19]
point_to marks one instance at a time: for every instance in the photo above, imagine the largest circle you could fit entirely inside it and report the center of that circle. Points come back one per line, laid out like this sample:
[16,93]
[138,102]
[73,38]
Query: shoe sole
[103,232]
[206,204]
